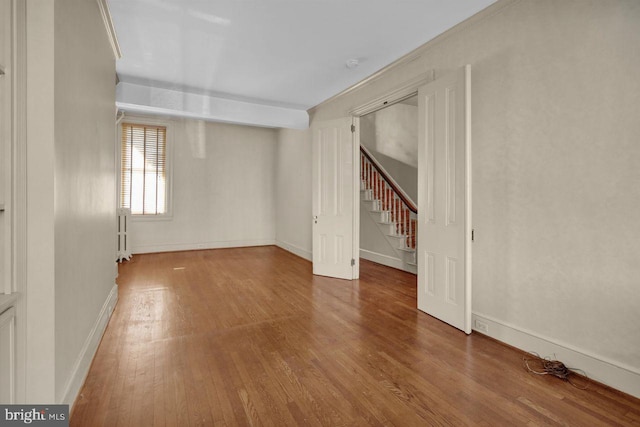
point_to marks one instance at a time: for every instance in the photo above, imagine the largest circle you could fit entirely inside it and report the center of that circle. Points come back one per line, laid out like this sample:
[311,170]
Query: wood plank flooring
[249,337]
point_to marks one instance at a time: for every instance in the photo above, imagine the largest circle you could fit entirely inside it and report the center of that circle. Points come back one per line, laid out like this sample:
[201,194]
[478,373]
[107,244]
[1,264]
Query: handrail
[392,183]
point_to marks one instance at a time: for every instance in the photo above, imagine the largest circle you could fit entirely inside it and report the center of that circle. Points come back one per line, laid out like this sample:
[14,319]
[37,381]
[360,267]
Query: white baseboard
[83,362]
[387,260]
[297,250]
[611,373]
[174,247]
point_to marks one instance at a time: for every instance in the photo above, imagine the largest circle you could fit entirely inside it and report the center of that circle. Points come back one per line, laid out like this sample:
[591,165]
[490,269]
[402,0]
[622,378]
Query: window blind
[143,181]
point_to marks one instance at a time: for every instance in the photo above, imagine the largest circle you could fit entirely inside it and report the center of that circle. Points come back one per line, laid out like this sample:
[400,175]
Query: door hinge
[472,234]
[353,262]
[353,128]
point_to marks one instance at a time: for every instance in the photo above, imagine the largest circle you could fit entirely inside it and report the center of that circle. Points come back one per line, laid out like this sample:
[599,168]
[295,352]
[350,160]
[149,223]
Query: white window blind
[144,177]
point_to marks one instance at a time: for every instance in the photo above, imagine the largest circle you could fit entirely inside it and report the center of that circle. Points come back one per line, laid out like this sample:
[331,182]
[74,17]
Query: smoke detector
[352,63]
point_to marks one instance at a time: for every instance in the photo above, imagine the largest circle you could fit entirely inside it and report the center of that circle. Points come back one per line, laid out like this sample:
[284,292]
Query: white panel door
[333,206]
[444,199]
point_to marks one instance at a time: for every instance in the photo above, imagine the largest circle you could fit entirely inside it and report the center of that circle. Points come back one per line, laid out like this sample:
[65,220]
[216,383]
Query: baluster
[395,211]
[388,205]
[373,183]
[384,197]
[366,176]
[378,188]
[410,231]
[395,208]
[404,224]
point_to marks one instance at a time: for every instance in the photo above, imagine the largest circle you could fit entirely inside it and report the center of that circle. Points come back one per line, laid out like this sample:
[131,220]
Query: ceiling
[263,62]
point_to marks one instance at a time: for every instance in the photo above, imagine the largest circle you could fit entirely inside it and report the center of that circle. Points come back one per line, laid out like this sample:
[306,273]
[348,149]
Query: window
[143,181]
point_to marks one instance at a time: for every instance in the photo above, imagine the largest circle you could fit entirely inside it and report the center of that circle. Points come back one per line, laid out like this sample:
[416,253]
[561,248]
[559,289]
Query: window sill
[151,218]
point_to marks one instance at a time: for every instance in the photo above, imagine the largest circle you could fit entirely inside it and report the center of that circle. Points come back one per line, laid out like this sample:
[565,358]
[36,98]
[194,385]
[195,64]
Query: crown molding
[108,25]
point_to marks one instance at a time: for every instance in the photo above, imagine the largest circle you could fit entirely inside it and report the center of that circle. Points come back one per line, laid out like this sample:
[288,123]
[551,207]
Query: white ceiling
[203,58]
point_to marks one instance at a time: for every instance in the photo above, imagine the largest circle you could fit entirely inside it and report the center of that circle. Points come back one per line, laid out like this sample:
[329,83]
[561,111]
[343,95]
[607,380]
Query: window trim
[149,121]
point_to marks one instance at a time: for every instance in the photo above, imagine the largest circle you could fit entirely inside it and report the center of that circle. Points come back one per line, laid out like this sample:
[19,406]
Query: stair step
[397,236]
[409,250]
[412,263]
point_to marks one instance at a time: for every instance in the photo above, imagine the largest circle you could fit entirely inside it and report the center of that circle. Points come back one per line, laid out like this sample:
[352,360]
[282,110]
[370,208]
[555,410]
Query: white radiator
[124,242]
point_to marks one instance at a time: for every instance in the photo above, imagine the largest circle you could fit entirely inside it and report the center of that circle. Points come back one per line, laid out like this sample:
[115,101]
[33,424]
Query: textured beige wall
[84,196]
[223,194]
[556,181]
[293,191]
[395,132]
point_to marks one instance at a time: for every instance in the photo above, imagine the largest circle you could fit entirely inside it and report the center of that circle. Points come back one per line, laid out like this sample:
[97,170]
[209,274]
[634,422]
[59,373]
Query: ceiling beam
[135,98]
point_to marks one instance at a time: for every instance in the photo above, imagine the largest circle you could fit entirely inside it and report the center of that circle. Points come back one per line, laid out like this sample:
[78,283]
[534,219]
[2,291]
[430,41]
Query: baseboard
[297,250]
[174,247]
[611,373]
[387,260]
[82,364]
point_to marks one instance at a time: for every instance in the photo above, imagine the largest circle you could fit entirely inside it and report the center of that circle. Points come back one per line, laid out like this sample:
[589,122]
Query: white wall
[70,193]
[5,146]
[293,195]
[84,182]
[391,136]
[555,173]
[38,314]
[223,181]
[392,131]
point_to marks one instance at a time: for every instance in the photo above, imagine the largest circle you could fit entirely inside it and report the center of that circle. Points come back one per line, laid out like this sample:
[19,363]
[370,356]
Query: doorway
[388,140]
[443,251]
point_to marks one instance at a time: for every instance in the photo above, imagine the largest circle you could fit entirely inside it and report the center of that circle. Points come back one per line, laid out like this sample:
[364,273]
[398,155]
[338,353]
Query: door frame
[400,93]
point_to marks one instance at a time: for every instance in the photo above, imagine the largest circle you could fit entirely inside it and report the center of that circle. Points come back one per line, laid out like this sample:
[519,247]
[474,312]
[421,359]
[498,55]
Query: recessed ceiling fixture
[352,63]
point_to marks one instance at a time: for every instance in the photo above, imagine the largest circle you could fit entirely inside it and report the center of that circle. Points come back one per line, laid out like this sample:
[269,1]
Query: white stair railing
[395,206]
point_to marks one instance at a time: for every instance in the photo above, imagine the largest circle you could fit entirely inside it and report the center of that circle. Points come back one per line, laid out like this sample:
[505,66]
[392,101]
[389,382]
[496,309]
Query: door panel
[333,207]
[444,271]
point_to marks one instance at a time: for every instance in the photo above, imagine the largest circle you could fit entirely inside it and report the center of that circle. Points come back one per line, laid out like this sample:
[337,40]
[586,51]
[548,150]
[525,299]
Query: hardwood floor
[249,336]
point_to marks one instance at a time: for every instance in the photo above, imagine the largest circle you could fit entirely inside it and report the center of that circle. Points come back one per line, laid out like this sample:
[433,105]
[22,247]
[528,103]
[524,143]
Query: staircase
[391,209]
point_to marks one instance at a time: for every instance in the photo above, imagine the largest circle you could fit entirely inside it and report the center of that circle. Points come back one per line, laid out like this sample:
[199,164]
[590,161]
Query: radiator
[124,241]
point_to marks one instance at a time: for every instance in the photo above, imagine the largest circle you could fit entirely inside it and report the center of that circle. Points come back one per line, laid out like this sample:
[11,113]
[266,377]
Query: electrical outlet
[481,327]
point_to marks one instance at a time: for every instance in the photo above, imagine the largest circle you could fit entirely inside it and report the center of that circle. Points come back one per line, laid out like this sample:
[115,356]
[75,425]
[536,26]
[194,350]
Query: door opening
[388,140]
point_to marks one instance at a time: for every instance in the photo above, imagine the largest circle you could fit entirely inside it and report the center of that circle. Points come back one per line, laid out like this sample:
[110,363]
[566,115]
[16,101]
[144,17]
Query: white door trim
[400,93]
[355,246]
[468,202]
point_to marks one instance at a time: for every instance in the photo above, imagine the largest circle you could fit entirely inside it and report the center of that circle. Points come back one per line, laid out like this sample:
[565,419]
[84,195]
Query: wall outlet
[480,326]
